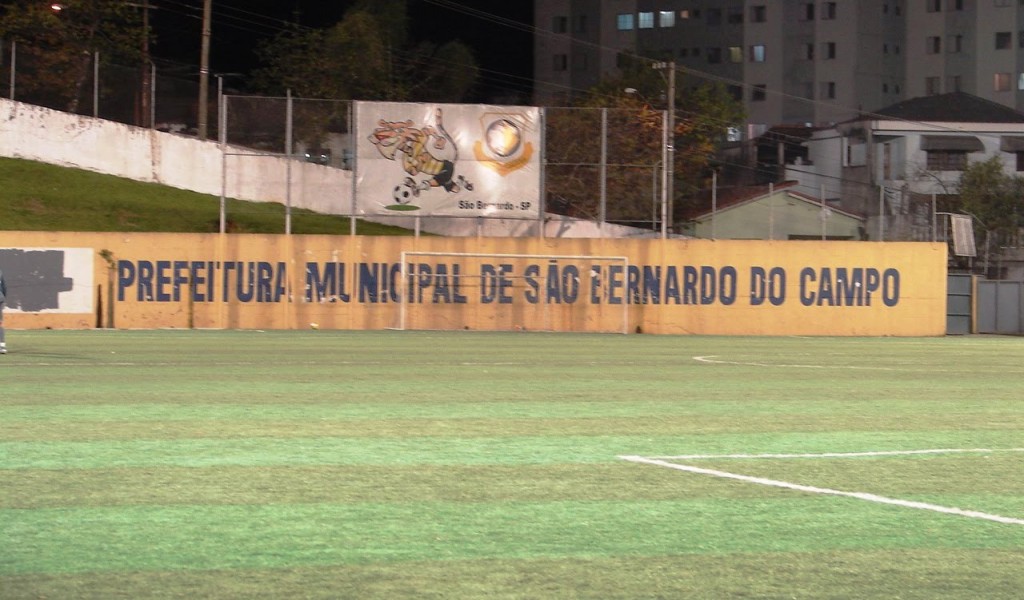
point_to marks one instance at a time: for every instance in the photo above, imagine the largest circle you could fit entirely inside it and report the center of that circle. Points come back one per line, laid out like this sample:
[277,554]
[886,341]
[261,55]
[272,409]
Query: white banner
[448,160]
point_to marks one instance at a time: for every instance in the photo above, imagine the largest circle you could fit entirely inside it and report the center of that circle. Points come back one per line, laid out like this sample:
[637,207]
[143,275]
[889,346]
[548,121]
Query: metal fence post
[14,63]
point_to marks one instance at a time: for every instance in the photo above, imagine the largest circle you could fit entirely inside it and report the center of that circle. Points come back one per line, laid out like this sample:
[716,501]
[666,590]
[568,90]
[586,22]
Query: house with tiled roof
[896,164]
[771,212]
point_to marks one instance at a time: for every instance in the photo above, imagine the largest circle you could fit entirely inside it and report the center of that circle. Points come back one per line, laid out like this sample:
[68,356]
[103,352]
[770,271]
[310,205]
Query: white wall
[35,133]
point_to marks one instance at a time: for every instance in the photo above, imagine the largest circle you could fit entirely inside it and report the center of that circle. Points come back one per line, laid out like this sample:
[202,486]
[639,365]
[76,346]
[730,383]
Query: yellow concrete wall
[670,286]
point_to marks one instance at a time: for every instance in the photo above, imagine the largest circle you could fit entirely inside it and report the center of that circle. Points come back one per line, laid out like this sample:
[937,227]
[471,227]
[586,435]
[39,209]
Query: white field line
[973,514]
[840,454]
[713,360]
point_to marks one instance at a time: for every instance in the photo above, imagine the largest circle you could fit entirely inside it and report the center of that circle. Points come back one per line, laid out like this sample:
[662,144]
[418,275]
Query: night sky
[504,52]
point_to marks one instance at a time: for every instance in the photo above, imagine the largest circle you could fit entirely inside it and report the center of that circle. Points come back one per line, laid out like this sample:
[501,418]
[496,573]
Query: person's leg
[3,342]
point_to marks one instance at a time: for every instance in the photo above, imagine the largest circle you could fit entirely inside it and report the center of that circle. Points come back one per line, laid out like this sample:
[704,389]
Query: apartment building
[974,46]
[808,62]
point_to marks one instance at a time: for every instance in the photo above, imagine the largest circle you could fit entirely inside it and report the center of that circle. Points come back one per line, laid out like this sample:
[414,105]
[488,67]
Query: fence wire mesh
[600,164]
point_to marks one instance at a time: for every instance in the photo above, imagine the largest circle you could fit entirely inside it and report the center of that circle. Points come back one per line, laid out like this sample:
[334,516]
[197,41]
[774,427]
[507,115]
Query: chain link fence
[605,164]
[317,131]
[142,96]
[600,164]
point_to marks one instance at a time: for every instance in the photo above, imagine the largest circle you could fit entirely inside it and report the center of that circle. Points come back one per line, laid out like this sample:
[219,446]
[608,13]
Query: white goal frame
[407,254]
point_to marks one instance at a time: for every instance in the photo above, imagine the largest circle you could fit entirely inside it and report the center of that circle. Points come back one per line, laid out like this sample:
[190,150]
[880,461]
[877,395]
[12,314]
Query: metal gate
[1000,307]
[958,304]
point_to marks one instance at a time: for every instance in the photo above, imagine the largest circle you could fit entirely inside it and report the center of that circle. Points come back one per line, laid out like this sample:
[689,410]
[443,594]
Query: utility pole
[204,69]
[145,110]
[670,148]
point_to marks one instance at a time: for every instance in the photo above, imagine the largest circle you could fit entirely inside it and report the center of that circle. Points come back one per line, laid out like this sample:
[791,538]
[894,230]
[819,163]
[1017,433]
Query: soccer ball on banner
[402,194]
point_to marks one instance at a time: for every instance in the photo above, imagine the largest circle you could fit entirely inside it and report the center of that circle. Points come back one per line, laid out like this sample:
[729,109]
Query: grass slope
[41,197]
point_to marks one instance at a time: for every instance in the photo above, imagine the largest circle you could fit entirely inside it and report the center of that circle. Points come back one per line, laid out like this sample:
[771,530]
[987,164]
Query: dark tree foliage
[634,145]
[366,56]
[994,197]
[56,44]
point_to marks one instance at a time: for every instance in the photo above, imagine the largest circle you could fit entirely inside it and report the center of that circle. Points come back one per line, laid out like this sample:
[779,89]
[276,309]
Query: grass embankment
[40,197]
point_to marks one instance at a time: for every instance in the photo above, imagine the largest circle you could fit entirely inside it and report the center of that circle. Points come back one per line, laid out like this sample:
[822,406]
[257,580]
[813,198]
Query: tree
[634,146]
[445,73]
[365,56]
[347,61]
[56,45]
[992,196]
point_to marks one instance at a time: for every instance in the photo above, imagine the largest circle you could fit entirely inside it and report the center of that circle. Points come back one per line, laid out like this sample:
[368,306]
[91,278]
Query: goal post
[513,292]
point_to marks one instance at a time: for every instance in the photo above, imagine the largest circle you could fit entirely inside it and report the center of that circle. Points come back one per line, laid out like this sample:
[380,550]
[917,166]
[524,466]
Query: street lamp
[666,158]
[669,139]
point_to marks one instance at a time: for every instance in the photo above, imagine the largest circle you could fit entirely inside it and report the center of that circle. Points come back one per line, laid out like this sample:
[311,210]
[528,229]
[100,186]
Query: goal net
[513,292]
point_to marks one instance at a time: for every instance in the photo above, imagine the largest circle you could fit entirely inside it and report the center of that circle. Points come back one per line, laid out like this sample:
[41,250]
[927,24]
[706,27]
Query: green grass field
[323,464]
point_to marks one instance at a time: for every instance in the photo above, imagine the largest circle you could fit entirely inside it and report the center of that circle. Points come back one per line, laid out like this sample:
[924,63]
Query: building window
[809,11]
[1002,3]
[1004,40]
[807,90]
[1001,82]
[1020,161]
[947,160]
[828,11]
[581,24]
[560,24]
[934,5]
[684,52]
[666,18]
[714,55]
[828,50]
[885,48]
[953,84]
[828,90]
[932,86]
[955,44]
[758,14]
[560,62]
[645,20]
[933,44]
[684,14]
[734,16]
[757,53]
[957,4]
[1020,82]
[758,93]
[579,62]
[809,51]
[735,54]
[625,21]
[714,16]
[736,91]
